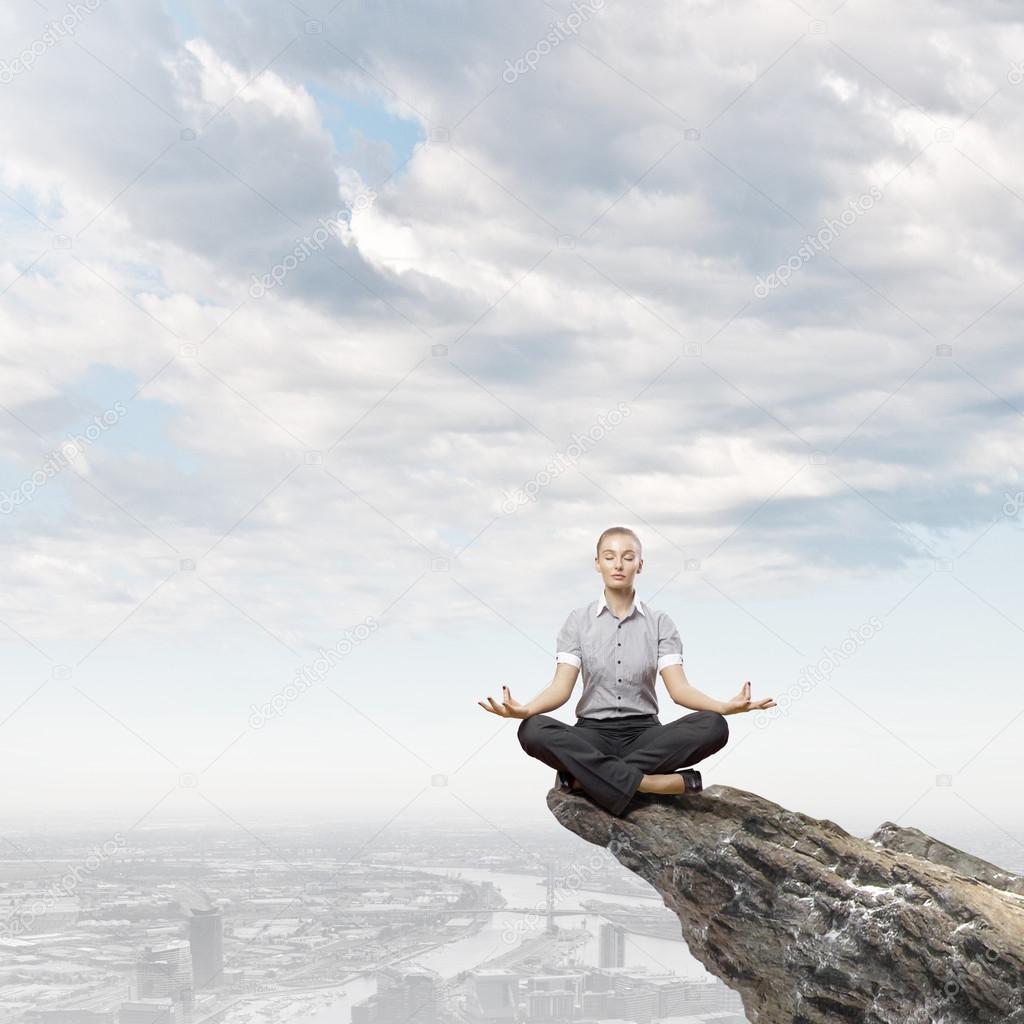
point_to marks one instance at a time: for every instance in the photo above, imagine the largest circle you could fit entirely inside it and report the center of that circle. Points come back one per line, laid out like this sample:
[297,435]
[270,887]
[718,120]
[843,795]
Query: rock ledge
[812,925]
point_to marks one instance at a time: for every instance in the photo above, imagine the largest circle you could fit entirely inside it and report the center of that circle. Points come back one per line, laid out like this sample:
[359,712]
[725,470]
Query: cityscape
[397,397]
[188,925]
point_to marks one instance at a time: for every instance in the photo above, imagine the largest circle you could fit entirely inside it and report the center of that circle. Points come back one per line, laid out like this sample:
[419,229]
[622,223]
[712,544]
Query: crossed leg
[661,750]
[588,755]
[611,771]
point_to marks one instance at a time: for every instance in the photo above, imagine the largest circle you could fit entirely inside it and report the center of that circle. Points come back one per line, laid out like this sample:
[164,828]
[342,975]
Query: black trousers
[610,757]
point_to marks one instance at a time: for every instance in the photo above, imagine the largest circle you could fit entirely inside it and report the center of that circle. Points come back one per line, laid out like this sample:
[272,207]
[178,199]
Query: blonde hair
[621,530]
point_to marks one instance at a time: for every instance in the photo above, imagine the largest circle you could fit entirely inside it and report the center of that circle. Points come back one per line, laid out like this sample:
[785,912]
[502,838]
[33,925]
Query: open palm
[742,702]
[507,708]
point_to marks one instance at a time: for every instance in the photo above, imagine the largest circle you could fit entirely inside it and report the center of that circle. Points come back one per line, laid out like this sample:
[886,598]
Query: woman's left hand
[742,702]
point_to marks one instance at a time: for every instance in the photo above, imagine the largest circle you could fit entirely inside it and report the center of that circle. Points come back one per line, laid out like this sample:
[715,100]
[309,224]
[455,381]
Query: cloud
[535,252]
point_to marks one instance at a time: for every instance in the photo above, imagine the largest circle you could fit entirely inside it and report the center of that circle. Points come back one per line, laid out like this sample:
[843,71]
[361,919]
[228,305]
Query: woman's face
[618,562]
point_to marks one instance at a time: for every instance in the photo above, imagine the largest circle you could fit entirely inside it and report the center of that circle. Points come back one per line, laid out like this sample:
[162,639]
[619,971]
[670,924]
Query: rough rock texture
[811,924]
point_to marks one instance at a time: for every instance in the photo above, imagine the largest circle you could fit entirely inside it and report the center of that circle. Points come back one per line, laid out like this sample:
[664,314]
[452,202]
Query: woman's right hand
[507,708]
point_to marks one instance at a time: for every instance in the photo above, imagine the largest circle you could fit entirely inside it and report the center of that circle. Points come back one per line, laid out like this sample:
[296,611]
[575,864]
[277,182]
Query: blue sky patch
[347,119]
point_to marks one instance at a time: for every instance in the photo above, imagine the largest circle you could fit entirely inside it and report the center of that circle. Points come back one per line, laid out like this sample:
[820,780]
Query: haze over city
[543,289]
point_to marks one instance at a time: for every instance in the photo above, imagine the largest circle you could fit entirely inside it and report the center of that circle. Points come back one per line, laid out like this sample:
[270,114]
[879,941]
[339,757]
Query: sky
[348,327]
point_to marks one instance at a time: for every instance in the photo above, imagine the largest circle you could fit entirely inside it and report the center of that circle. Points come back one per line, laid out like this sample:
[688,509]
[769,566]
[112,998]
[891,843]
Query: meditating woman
[618,746]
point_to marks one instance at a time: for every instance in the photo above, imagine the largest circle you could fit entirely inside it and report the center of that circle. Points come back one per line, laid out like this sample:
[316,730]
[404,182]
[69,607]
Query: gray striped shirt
[620,658]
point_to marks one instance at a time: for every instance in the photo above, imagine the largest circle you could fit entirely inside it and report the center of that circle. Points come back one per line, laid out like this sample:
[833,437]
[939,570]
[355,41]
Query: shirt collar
[602,604]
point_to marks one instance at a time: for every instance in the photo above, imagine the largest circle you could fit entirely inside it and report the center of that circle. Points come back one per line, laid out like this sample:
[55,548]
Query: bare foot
[672,783]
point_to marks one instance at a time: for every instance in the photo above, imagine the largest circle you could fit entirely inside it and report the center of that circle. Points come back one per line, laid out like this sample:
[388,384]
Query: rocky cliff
[812,925]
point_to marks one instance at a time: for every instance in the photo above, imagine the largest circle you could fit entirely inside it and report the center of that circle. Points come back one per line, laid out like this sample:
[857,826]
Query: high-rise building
[166,971]
[611,946]
[405,995]
[206,942]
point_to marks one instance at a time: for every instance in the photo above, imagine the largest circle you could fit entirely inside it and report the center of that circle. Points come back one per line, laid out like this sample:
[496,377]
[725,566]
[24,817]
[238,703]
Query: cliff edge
[812,925]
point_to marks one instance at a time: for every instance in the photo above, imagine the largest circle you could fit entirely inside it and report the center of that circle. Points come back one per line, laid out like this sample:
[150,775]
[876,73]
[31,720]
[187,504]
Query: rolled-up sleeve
[670,646]
[567,645]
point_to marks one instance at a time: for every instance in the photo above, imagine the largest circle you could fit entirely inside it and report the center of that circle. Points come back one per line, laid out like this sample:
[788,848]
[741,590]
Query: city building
[405,995]
[165,971]
[206,943]
[149,1011]
[612,946]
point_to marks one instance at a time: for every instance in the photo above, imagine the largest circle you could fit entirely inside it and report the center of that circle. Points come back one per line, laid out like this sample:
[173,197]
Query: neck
[619,602]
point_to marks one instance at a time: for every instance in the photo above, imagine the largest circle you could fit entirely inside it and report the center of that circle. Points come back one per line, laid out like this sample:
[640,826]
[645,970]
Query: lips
[618,576]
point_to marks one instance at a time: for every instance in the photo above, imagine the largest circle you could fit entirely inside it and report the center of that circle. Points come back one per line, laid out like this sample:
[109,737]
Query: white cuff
[669,659]
[569,659]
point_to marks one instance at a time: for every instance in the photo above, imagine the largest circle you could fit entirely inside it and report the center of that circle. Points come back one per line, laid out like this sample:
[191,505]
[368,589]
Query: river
[504,932]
